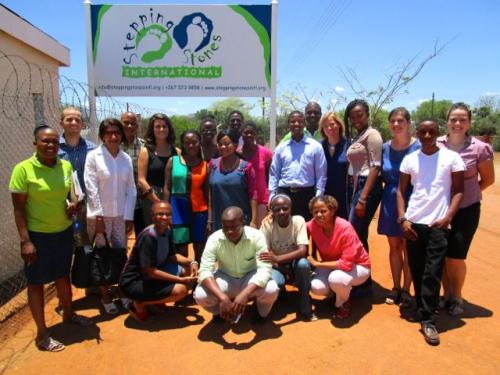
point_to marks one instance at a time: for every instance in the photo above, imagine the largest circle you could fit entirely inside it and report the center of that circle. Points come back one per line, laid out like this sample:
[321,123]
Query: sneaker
[456,307]
[404,299]
[393,297]
[257,318]
[444,302]
[430,333]
[310,317]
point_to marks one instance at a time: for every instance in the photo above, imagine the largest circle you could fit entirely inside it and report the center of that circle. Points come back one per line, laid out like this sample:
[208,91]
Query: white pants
[265,297]
[115,230]
[325,281]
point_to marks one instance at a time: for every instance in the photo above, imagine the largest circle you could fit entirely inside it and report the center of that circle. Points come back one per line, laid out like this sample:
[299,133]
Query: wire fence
[30,95]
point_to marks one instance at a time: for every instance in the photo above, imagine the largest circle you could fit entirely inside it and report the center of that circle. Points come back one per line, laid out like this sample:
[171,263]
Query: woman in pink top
[260,158]
[343,261]
[479,174]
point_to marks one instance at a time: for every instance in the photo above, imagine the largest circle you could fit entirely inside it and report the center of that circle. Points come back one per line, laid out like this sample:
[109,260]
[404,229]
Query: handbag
[106,264]
[97,266]
[80,269]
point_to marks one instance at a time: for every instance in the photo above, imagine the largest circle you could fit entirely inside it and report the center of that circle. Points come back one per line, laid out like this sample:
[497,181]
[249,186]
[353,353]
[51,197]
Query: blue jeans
[361,224]
[302,274]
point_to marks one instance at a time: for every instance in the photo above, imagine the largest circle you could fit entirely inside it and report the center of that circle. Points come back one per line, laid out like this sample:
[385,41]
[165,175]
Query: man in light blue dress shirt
[298,168]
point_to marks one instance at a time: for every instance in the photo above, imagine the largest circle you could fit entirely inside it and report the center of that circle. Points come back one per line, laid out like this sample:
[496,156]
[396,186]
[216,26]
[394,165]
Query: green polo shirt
[236,260]
[317,136]
[47,189]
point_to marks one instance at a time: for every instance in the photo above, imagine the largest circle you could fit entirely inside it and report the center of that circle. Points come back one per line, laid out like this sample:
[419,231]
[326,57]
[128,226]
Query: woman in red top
[343,261]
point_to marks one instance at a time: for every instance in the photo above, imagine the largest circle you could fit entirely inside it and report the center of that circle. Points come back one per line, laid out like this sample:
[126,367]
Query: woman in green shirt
[39,187]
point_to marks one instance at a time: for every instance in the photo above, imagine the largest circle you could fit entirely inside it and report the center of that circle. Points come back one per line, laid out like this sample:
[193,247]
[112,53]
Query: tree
[438,111]
[221,109]
[396,82]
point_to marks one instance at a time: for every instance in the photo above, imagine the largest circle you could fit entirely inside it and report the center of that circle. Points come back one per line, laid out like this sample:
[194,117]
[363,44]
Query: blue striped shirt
[76,156]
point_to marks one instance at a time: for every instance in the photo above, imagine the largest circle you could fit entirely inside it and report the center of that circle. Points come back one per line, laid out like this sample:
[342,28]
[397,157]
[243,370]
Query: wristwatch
[401,220]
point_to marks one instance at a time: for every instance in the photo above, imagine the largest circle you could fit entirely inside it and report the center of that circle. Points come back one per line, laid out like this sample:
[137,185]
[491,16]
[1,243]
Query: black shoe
[257,318]
[393,297]
[430,333]
[216,318]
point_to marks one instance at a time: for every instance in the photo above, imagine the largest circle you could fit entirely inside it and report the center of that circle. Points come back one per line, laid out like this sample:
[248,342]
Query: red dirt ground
[374,340]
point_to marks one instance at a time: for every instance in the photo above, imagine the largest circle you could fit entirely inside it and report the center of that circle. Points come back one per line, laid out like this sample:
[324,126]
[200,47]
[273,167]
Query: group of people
[253,215]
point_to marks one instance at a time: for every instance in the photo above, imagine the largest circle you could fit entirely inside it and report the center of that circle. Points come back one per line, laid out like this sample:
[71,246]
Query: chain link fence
[31,95]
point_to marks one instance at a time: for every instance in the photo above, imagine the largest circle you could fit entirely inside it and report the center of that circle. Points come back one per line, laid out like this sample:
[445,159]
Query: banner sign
[181,50]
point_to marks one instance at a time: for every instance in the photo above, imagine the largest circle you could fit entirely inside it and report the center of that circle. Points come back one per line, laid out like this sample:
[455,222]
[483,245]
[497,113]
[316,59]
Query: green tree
[221,109]
[438,111]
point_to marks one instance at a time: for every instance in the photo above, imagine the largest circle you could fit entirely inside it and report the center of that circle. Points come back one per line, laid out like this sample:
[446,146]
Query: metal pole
[90,74]
[432,105]
[274,58]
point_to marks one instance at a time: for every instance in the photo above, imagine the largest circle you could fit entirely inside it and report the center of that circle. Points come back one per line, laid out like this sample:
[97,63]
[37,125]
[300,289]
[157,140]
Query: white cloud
[420,101]
[181,102]
[339,89]
[173,110]
[491,93]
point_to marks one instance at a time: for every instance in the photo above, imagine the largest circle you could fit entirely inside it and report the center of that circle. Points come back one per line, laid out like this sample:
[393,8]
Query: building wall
[29,94]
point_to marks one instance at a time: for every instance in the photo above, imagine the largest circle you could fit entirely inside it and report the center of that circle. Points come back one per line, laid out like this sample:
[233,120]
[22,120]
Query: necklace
[232,166]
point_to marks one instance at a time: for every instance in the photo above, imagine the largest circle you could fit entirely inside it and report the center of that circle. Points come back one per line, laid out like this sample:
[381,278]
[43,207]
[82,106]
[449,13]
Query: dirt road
[374,340]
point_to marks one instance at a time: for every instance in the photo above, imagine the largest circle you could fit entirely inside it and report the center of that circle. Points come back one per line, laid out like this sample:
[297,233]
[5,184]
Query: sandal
[393,297]
[405,299]
[110,308]
[343,311]
[137,315]
[48,344]
[79,320]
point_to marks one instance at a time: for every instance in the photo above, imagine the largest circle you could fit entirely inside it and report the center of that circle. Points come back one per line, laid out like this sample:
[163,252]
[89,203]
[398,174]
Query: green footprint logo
[163,37]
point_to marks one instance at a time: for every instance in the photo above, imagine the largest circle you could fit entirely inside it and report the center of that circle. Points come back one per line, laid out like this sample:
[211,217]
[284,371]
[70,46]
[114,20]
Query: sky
[317,38]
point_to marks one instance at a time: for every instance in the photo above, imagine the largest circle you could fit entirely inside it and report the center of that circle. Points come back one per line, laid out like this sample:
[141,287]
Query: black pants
[300,200]
[426,259]
[138,221]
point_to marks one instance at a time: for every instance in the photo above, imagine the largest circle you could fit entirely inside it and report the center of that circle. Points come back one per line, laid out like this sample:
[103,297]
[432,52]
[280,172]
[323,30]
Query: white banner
[181,50]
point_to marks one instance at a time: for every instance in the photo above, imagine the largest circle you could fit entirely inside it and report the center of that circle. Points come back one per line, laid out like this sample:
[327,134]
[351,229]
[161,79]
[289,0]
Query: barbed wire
[30,94]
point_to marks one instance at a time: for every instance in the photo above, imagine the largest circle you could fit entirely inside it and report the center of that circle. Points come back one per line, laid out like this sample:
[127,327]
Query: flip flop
[110,308]
[48,344]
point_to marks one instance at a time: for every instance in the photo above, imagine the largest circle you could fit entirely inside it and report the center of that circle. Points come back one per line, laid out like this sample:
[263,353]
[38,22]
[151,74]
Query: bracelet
[210,222]
[194,262]
[25,241]
[362,201]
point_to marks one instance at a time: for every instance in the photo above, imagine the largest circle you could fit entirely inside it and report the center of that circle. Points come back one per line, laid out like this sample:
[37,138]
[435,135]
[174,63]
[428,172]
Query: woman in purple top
[260,157]
[479,174]
[393,152]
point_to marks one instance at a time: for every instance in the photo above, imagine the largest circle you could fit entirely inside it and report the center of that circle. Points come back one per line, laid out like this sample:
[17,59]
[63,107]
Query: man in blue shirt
[313,115]
[298,168]
[73,148]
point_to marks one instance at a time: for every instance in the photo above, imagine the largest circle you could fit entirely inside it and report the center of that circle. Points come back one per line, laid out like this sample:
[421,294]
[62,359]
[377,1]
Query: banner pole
[274,58]
[90,74]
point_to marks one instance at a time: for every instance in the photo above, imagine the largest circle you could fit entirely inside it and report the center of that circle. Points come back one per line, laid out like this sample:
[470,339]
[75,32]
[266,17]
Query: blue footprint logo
[195,19]
[159,32]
